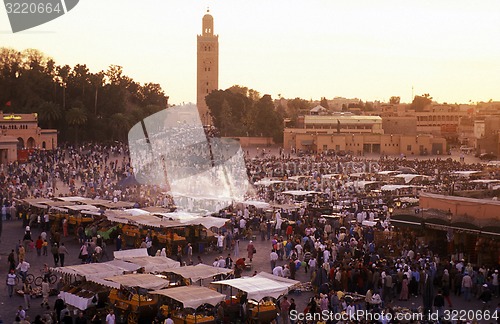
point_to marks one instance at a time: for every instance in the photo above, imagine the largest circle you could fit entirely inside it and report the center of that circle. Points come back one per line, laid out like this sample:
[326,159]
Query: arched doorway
[30,143]
[20,143]
[44,146]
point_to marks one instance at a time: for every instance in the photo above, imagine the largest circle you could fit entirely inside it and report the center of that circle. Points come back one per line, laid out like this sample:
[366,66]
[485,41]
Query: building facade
[21,131]
[207,77]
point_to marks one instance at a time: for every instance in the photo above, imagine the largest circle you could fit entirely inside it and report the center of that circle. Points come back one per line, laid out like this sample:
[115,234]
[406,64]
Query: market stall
[130,298]
[259,288]
[95,270]
[181,301]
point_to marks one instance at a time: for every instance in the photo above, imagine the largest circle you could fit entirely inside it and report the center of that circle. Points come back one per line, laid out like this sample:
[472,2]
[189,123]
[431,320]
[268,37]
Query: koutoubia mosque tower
[207,66]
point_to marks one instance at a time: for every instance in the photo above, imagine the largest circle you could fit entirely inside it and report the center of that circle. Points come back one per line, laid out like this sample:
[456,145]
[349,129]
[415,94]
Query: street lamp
[391,210]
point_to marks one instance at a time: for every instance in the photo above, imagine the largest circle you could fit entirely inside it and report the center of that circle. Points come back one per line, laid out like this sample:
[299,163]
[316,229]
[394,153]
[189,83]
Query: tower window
[207,90]
[208,69]
[207,83]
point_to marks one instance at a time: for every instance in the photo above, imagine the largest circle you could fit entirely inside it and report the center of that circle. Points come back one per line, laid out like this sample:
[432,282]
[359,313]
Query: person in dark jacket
[485,296]
[439,303]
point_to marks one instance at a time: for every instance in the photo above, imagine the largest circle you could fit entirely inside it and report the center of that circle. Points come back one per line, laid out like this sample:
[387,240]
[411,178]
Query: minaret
[207,66]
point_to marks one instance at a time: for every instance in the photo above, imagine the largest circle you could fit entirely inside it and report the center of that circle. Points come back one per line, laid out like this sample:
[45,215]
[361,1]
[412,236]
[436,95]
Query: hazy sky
[366,49]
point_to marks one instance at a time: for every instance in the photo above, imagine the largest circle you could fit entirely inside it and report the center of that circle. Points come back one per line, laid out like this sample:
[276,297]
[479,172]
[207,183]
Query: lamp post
[391,210]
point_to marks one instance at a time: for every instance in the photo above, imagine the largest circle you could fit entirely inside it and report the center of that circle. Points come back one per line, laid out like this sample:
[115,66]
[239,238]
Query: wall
[400,125]
[254,141]
[485,212]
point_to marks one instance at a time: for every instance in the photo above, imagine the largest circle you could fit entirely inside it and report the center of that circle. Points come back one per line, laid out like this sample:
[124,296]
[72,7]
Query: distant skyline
[309,49]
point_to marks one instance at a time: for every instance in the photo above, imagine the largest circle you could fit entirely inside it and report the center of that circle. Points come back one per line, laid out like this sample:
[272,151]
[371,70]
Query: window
[408,147]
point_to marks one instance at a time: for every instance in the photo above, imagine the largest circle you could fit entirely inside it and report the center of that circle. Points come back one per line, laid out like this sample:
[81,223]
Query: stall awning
[120,255]
[300,192]
[141,280]
[306,142]
[406,220]
[261,285]
[255,203]
[192,296]
[153,264]
[208,222]
[199,271]
[98,270]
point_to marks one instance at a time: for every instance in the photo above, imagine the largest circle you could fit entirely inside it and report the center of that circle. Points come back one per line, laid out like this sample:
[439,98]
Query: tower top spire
[208,23]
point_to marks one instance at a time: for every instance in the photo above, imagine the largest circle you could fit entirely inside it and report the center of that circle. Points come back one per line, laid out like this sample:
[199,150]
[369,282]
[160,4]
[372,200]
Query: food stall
[187,304]
[130,299]
[83,282]
[258,290]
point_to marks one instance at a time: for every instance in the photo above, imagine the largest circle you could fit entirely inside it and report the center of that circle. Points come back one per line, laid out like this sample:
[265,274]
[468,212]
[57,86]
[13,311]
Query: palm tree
[76,117]
[50,112]
[120,124]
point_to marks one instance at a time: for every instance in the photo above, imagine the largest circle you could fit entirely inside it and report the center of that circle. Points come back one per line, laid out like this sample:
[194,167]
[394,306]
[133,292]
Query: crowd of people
[340,255]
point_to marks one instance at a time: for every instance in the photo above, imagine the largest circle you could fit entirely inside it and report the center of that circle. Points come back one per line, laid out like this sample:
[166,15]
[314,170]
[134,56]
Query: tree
[76,117]
[50,113]
[394,100]
[119,125]
[420,102]
[63,74]
[324,103]
[225,119]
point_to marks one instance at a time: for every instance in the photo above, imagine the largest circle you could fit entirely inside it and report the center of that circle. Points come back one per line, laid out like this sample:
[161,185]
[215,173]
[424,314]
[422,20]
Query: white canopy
[261,285]
[485,181]
[330,175]
[409,177]
[208,222]
[299,192]
[192,296]
[141,280]
[388,172]
[394,187]
[465,174]
[98,270]
[145,219]
[267,182]
[360,184]
[132,253]
[72,199]
[153,264]
[81,207]
[180,216]
[199,271]
[255,203]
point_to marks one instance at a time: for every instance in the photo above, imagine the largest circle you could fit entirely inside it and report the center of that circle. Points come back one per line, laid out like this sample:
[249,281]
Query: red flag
[8,103]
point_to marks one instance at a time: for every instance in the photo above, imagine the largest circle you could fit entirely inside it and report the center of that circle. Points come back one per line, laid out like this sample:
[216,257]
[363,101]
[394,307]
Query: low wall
[254,141]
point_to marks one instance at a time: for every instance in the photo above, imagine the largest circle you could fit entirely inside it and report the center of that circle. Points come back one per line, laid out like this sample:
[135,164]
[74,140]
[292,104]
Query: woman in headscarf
[163,253]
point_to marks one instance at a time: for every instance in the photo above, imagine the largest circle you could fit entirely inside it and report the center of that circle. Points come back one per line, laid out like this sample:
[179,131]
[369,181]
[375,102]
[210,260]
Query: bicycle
[51,277]
[30,278]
